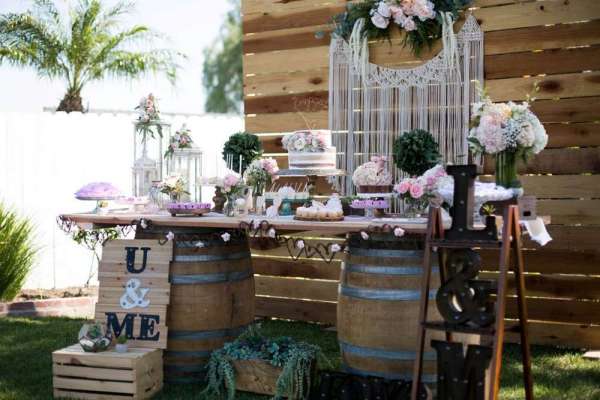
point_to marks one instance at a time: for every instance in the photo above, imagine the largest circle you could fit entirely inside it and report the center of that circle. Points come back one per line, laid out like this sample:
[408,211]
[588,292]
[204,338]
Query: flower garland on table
[148,122]
[260,174]
[305,141]
[182,139]
[421,20]
[507,131]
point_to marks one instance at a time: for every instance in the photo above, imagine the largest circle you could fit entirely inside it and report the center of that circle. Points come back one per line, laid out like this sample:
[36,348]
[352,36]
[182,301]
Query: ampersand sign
[463,299]
[134,295]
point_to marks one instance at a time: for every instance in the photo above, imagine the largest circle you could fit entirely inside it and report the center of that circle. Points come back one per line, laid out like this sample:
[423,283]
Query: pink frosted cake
[98,191]
[310,150]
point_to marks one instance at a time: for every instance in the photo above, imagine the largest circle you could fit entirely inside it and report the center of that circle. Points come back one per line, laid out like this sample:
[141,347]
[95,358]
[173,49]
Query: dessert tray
[196,209]
[319,219]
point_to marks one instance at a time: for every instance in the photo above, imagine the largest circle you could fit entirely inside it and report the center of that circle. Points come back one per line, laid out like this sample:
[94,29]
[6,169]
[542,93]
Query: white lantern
[147,168]
[187,163]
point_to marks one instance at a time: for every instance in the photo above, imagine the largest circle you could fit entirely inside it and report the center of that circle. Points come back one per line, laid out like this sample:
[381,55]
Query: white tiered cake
[310,150]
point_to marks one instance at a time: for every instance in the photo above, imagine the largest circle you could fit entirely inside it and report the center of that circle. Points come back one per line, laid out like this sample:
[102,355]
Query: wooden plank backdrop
[555,43]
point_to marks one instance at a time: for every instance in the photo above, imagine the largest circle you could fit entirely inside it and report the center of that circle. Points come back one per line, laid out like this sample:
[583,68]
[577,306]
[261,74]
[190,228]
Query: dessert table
[348,225]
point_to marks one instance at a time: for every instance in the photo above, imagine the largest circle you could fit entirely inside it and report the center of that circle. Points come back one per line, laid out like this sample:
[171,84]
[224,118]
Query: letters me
[148,325]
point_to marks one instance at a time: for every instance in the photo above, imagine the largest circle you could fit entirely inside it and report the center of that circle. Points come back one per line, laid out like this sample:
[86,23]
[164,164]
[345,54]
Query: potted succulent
[280,366]
[121,346]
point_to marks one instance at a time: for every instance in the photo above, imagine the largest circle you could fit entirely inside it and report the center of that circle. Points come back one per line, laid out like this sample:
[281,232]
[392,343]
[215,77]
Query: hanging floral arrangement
[182,139]
[421,20]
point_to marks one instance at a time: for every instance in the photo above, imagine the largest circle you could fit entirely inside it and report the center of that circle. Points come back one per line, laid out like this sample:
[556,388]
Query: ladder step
[462,244]
[444,326]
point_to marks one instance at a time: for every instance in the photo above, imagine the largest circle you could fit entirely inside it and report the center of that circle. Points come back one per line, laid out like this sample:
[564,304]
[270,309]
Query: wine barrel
[378,307]
[212,301]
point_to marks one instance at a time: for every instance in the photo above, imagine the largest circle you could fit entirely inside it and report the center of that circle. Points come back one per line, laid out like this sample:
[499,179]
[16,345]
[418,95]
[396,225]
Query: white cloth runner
[537,230]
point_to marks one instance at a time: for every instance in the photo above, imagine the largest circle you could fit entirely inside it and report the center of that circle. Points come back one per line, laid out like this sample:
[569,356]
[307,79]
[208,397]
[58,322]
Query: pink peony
[403,187]
[416,190]
[409,24]
[380,21]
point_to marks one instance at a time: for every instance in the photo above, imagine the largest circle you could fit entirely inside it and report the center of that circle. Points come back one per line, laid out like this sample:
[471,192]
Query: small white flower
[335,248]
[255,224]
[398,232]
[300,244]
[226,236]
[364,235]
[299,144]
[271,233]
[199,244]
[143,223]
[170,236]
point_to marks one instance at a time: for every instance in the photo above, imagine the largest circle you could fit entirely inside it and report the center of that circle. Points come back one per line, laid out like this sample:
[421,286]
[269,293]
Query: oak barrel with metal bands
[212,301]
[378,306]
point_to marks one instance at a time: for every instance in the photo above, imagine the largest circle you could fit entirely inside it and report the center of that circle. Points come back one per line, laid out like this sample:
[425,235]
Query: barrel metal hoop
[425,378]
[358,251]
[384,294]
[211,257]
[188,354]
[385,269]
[403,355]
[232,276]
[215,334]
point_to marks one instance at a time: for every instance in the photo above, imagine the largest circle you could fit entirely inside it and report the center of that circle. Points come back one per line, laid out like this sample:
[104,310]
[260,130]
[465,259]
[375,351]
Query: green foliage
[88,45]
[415,152]
[122,339]
[295,358]
[222,69]
[17,252]
[244,144]
[425,34]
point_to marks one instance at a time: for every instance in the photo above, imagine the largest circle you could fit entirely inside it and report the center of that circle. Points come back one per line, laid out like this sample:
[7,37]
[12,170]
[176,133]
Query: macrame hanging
[370,105]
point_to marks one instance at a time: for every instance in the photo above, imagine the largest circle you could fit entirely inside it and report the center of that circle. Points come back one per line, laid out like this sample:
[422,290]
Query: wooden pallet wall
[553,42]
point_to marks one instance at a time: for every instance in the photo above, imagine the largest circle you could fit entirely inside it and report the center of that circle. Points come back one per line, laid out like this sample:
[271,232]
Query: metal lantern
[187,163]
[147,156]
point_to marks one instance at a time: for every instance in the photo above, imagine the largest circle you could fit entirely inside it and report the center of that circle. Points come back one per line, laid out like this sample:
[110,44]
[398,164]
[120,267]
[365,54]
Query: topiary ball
[244,144]
[415,152]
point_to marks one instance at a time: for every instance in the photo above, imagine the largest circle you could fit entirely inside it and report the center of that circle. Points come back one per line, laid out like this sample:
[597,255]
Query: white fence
[46,157]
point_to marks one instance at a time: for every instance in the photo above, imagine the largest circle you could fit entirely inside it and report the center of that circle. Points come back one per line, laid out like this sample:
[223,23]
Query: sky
[191,25]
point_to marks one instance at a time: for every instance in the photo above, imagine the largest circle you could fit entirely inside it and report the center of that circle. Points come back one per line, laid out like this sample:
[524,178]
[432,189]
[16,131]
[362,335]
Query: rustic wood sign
[134,290]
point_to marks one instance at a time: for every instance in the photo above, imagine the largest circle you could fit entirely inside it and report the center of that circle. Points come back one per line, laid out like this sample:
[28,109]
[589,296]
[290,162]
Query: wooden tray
[318,219]
[196,212]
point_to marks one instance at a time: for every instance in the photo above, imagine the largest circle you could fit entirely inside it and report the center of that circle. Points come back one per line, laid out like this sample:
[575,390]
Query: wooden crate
[137,374]
[256,376]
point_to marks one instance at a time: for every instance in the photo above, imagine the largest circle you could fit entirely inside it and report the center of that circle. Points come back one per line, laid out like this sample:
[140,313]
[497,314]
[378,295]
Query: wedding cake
[310,150]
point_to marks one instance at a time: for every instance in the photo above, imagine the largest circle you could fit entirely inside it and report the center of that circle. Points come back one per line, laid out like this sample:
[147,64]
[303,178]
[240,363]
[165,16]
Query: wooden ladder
[510,240]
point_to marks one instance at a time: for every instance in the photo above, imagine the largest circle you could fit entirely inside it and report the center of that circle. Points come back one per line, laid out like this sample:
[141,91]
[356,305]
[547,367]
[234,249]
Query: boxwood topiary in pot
[241,144]
[415,152]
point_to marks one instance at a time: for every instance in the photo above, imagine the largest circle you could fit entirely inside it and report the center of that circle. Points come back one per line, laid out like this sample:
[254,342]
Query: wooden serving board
[318,219]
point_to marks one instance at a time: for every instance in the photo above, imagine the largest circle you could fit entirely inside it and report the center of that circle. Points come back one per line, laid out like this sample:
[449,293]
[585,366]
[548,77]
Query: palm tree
[88,45]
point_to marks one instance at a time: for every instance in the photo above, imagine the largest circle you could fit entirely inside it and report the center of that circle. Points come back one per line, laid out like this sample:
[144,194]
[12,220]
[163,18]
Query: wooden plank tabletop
[349,224]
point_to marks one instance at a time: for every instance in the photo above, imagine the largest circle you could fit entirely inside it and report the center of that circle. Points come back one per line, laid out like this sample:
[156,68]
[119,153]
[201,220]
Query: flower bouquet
[148,122]
[371,178]
[507,131]
[180,140]
[260,174]
[421,191]
[174,186]
[233,187]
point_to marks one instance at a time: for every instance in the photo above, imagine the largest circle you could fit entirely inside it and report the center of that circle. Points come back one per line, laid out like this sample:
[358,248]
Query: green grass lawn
[26,364]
